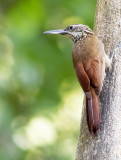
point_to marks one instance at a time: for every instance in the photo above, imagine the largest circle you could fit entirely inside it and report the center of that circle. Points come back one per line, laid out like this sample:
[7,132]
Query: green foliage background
[40,98]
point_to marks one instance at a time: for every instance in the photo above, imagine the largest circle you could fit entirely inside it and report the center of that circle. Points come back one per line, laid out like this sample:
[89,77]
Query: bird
[89,60]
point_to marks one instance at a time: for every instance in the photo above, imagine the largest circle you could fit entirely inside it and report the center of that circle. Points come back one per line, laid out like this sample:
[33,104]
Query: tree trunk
[107,144]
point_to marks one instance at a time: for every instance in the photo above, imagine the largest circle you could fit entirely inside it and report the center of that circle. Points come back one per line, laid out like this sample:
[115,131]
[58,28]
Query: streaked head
[75,32]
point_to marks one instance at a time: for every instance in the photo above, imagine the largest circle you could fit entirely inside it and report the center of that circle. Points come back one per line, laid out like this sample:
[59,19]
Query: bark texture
[107,144]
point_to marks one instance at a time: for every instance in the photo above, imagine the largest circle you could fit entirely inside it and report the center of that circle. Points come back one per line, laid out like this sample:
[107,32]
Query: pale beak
[56,32]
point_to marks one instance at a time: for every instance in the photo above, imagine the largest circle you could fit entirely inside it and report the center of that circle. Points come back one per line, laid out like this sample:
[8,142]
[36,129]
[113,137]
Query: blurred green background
[40,97]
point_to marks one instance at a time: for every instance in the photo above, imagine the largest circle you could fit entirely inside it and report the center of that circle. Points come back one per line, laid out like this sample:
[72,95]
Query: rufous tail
[93,111]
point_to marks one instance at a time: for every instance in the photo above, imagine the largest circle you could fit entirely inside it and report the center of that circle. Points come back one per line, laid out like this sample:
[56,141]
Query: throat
[80,37]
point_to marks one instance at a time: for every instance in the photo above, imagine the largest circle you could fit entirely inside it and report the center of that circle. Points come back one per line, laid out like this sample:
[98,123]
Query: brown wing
[94,68]
[91,73]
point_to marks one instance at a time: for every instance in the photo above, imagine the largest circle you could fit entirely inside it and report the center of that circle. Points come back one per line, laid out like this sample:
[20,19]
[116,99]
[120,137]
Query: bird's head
[75,32]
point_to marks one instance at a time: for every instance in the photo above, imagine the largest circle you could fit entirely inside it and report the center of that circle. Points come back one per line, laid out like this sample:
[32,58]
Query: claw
[115,50]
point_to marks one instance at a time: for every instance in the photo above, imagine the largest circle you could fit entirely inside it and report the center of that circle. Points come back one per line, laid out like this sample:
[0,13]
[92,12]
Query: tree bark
[107,144]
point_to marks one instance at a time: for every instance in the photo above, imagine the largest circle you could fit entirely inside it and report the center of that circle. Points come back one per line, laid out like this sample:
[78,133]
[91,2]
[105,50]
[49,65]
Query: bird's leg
[108,60]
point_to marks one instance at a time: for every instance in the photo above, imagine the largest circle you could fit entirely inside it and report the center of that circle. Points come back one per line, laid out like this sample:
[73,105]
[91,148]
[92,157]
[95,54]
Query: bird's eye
[70,27]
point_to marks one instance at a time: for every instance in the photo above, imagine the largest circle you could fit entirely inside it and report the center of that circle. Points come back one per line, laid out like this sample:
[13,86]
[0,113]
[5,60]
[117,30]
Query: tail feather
[93,112]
